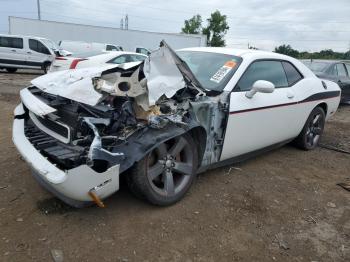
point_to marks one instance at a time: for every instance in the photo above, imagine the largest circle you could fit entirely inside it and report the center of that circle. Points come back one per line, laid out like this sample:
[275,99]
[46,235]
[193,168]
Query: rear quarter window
[293,75]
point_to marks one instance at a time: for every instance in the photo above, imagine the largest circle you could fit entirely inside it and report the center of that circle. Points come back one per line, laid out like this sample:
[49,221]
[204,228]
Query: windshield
[316,66]
[212,70]
[51,44]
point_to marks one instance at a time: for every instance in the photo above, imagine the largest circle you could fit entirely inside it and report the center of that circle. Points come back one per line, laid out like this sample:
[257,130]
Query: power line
[243,38]
[134,16]
[240,38]
[235,17]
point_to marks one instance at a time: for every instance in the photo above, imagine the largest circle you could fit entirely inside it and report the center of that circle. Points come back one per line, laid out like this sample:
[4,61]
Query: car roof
[28,36]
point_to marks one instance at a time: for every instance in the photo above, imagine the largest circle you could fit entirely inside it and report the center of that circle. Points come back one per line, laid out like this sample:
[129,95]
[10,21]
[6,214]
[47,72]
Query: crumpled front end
[74,185]
[80,129]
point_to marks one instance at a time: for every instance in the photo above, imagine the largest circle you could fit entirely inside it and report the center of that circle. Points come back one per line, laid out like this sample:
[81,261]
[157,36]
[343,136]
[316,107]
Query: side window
[11,42]
[37,46]
[292,73]
[332,70]
[120,59]
[348,68]
[341,70]
[111,48]
[271,71]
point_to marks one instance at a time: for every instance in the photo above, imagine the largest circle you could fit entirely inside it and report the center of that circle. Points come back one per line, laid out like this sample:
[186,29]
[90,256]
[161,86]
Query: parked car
[95,58]
[336,71]
[27,52]
[83,47]
[165,120]
[143,50]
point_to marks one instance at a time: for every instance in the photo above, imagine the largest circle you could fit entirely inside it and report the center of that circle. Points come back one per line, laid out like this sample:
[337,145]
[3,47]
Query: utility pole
[122,23]
[126,22]
[38,4]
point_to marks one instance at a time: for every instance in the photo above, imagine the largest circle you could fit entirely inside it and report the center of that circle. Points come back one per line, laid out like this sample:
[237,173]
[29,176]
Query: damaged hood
[183,67]
[76,84]
[163,74]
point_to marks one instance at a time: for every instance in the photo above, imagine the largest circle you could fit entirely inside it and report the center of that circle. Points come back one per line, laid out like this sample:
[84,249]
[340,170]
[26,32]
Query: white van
[83,47]
[26,52]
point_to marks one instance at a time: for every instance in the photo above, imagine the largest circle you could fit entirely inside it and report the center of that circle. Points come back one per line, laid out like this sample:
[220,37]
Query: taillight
[73,65]
[60,58]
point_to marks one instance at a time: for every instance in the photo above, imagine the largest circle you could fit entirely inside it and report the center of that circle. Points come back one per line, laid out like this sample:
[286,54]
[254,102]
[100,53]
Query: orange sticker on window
[231,64]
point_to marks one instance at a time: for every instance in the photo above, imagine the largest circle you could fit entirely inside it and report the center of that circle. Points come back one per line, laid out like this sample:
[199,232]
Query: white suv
[26,52]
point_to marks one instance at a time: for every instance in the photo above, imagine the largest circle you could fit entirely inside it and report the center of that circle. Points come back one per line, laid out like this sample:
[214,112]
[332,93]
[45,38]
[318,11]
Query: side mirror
[261,86]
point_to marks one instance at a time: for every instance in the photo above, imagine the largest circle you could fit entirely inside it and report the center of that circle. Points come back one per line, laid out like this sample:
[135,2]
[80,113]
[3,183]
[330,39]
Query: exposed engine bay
[119,115]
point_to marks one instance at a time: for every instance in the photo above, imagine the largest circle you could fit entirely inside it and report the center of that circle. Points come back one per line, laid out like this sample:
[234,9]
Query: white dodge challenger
[165,120]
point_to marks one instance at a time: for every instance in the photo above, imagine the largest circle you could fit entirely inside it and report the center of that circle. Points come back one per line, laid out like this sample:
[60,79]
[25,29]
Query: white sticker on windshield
[222,72]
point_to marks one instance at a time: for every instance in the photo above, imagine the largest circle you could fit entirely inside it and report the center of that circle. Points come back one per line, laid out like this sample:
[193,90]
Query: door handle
[29,52]
[13,50]
[290,95]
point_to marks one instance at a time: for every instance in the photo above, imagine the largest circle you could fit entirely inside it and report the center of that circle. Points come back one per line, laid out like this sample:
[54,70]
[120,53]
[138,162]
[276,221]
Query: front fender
[145,140]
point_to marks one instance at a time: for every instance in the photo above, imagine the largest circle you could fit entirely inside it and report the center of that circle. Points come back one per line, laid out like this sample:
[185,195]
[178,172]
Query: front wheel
[165,175]
[310,135]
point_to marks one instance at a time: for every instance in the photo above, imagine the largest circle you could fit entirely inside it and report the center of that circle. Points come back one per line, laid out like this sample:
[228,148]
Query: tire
[166,174]
[11,70]
[46,67]
[310,135]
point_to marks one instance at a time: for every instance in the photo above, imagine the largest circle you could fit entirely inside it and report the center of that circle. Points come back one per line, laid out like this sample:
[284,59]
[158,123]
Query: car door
[265,119]
[38,53]
[12,51]
[345,83]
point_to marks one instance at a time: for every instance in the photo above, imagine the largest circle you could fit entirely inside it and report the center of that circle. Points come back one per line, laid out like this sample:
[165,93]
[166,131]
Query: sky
[307,25]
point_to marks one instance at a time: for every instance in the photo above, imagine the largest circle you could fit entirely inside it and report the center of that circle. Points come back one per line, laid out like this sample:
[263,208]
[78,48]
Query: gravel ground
[282,206]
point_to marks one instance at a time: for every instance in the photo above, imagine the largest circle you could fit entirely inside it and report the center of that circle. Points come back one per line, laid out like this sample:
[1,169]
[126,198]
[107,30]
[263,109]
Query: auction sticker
[223,71]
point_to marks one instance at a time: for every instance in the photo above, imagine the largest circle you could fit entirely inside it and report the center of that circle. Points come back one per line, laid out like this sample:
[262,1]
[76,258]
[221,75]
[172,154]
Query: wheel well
[324,107]
[199,136]
[45,63]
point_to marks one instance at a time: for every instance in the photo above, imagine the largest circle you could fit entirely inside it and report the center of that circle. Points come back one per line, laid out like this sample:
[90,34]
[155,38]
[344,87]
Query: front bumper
[72,186]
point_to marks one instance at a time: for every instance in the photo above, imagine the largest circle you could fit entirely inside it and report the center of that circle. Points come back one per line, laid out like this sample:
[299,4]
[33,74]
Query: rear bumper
[72,186]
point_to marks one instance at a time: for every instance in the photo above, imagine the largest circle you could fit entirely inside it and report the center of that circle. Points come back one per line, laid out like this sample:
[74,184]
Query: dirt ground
[281,206]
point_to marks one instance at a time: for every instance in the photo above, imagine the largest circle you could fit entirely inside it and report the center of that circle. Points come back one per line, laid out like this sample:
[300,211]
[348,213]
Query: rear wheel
[11,70]
[165,175]
[310,135]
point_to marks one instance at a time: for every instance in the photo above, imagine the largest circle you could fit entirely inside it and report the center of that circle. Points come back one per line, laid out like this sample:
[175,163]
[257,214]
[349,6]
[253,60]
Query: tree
[193,25]
[287,50]
[252,47]
[216,29]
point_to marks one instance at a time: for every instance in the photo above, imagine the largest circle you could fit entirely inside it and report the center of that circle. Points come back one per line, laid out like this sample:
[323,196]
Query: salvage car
[94,58]
[336,71]
[165,120]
